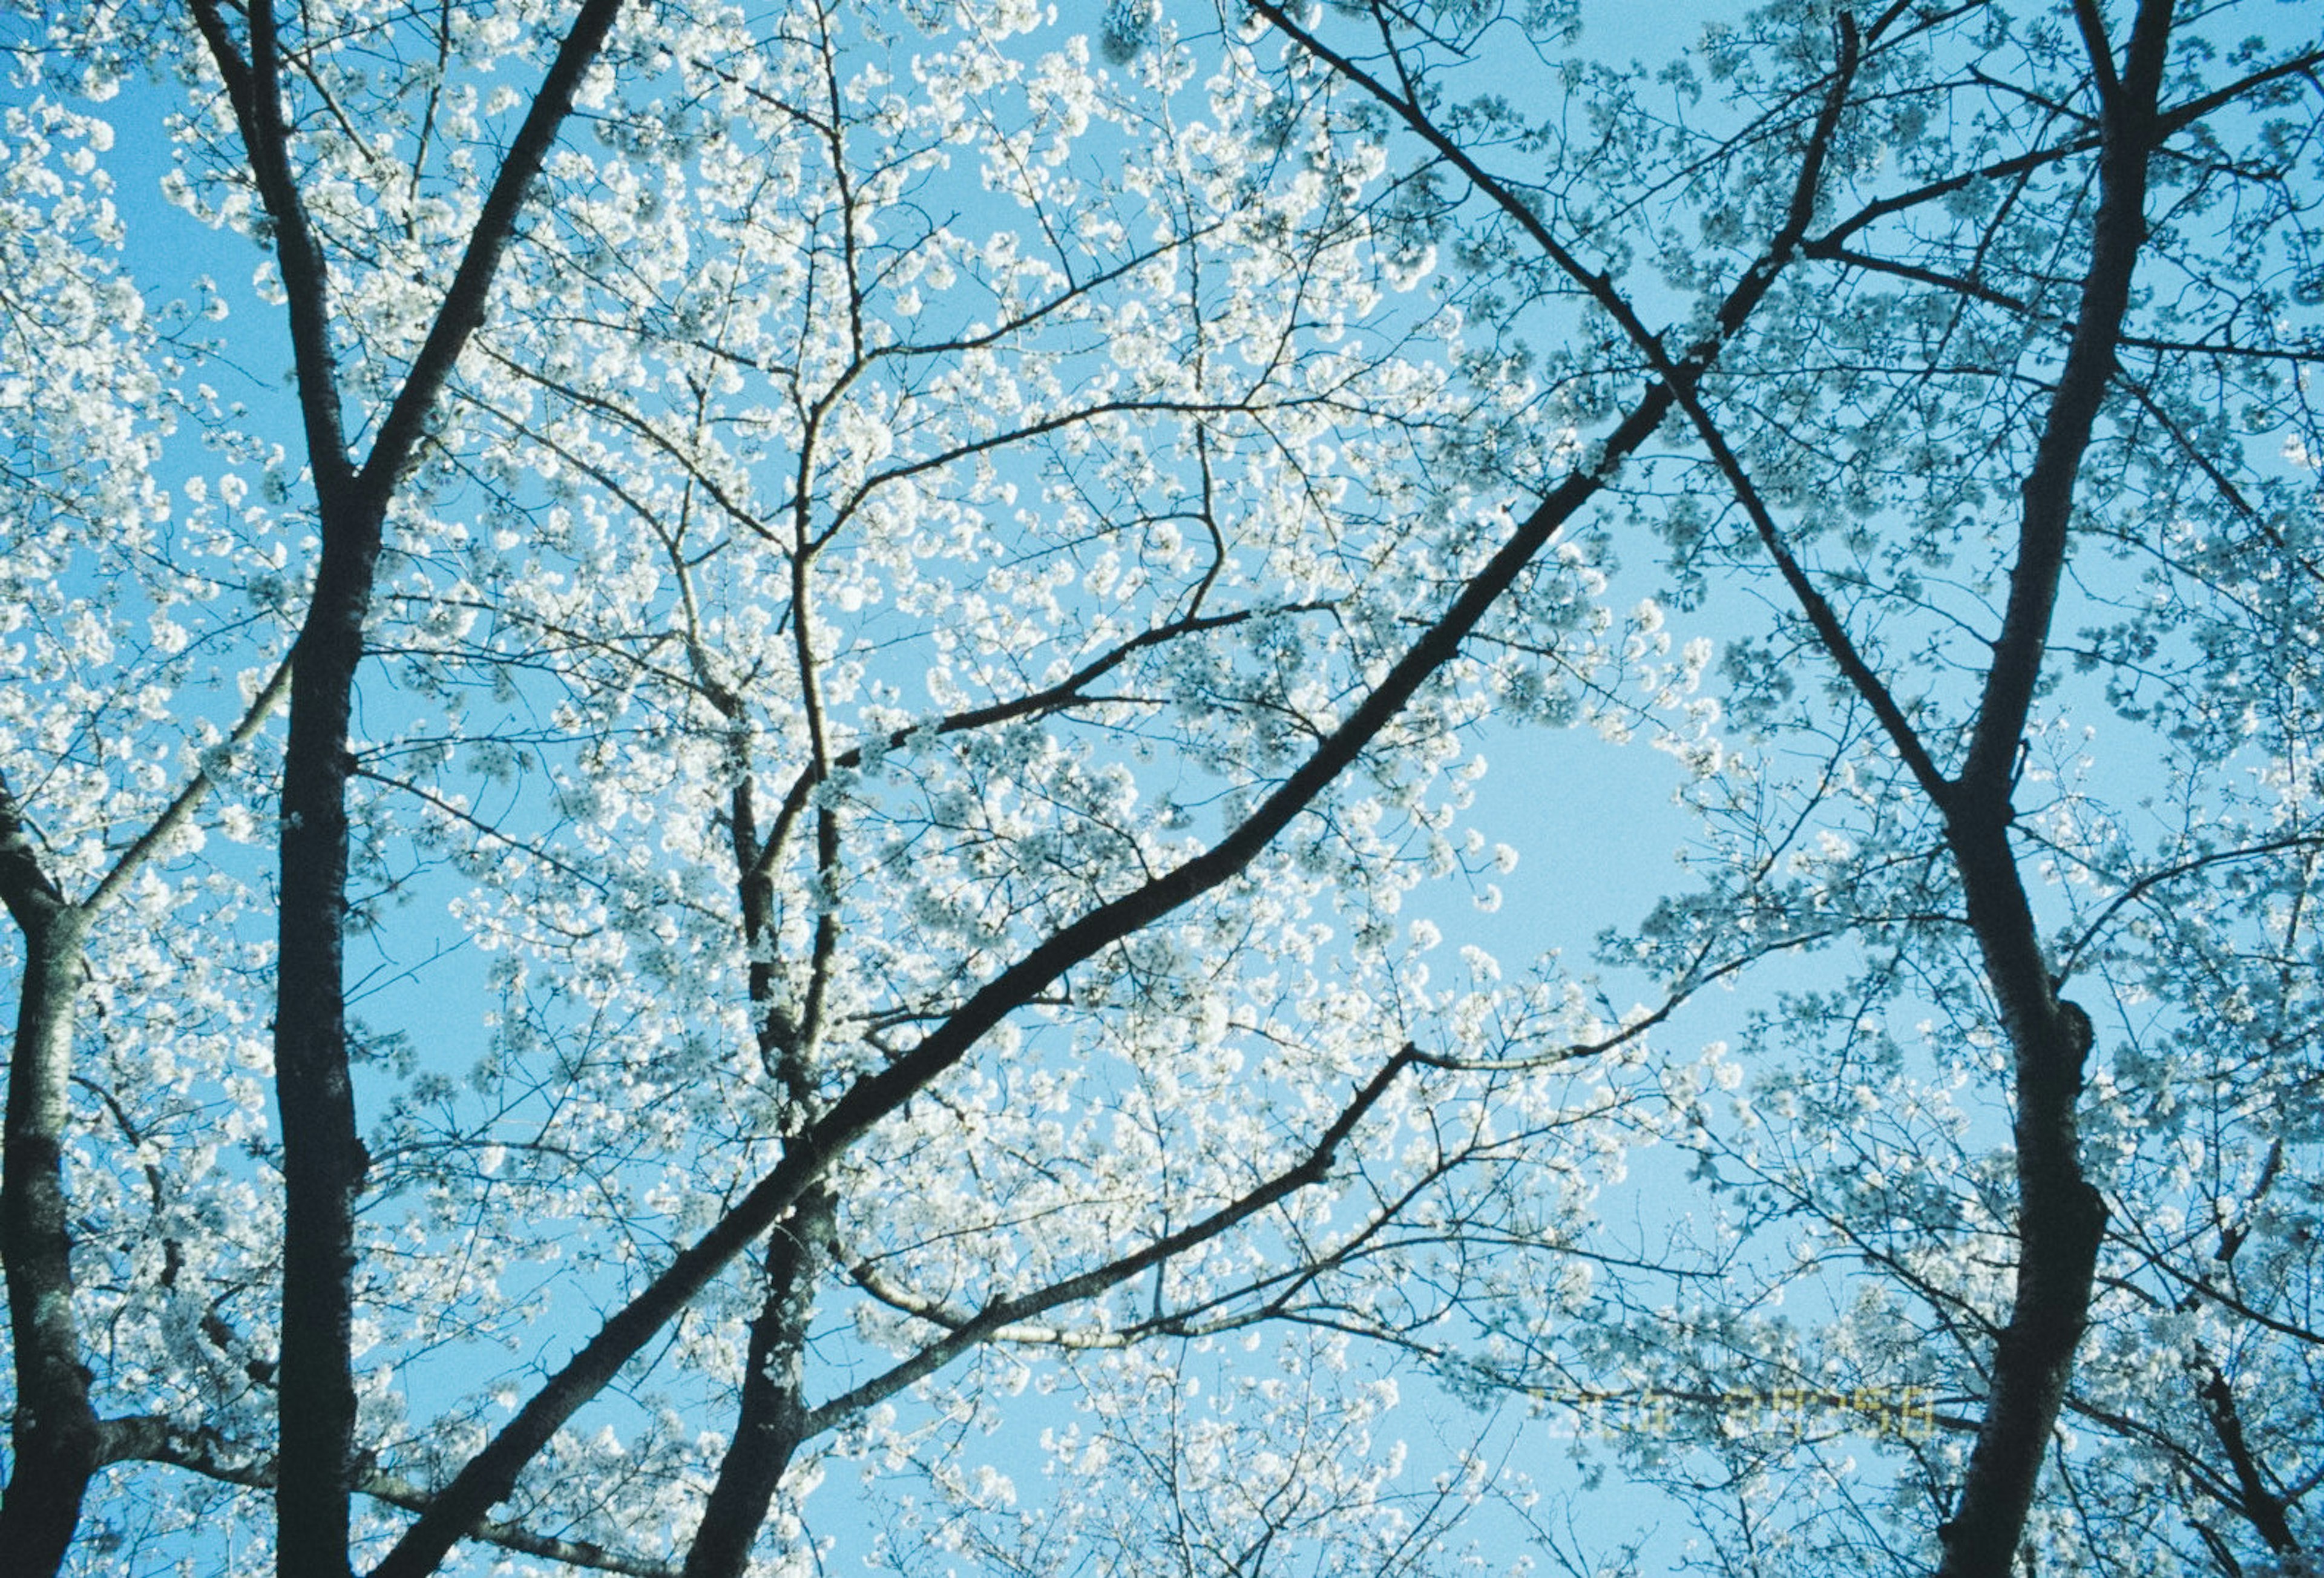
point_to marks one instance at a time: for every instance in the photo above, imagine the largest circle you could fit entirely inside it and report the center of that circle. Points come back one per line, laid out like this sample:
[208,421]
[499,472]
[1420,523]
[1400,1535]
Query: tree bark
[772,1418]
[57,1440]
[771,1413]
[323,1159]
[2267,1513]
[2061,1221]
[2062,1218]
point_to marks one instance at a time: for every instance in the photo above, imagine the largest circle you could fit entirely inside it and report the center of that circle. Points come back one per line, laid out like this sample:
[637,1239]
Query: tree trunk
[772,1420]
[2061,1219]
[56,1439]
[323,1161]
[2060,1222]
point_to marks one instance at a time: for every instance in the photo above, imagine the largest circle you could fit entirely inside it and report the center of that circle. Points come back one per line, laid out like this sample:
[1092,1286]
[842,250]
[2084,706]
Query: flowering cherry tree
[778,787]
[783,803]
[2023,459]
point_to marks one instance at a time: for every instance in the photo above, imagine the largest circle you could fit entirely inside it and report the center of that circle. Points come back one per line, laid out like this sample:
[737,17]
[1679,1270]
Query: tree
[918,590]
[898,586]
[2022,460]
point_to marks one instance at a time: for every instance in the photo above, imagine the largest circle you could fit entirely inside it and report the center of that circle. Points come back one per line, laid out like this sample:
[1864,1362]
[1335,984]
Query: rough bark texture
[57,1442]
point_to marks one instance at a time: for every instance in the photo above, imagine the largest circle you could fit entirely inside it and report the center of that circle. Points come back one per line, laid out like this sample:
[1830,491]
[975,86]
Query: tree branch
[190,799]
[493,1473]
[2265,1510]
[1310,1169]
[461,312]
[2061,1219]
[145,1438]
[55,1437]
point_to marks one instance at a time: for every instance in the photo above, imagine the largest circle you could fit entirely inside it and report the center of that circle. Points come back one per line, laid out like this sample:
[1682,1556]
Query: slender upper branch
[1837,644]
[198,787]
[1310,1169]
[254,89]
[461,312]
[2132,127]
